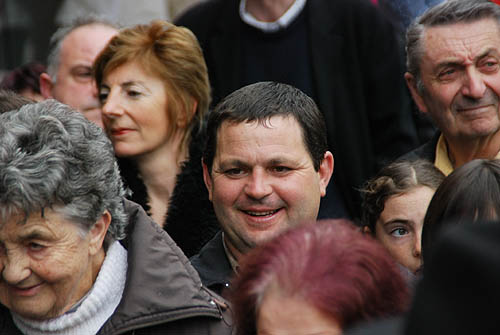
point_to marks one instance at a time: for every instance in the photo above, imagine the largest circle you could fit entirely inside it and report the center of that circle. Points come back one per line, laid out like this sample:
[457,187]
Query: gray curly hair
[52,157]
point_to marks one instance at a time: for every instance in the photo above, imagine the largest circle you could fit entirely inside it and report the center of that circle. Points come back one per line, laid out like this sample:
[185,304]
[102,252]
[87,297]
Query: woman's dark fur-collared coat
[190,221]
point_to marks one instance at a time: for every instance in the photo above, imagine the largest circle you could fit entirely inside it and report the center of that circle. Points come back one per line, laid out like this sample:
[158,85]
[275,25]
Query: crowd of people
[255,168]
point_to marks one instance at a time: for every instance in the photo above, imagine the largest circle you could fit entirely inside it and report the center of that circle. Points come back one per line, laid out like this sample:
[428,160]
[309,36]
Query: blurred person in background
[25,80]
[318,278]
[73,49]
[470,193]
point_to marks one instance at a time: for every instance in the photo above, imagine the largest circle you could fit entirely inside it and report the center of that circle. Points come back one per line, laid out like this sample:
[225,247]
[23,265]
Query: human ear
[98,232]
[46,85]
[367,230]
[184,118]
[325,171]
[411,82]
[207,179]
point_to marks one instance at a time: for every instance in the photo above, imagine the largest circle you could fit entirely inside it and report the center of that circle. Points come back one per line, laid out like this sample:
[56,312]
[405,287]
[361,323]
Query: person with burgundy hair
[24,80]
[328,275]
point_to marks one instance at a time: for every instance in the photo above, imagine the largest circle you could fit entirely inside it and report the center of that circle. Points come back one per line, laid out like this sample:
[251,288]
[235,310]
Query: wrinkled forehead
[467,39]
[47,222]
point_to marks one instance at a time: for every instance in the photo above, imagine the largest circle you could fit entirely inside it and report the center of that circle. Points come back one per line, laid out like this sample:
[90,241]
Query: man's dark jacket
[213,265]
[357,72]
[426,151]
[163,293]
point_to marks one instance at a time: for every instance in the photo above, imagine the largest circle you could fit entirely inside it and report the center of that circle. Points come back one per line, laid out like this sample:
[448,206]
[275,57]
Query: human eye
[33,246]
[234,172]
[280,169]
[447,74]
[82,73]
[489,65]
[133,93]
[399,232]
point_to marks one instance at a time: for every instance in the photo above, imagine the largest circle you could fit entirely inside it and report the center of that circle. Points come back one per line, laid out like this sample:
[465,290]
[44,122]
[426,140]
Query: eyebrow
[126,84]
[132,82]
[398,220]
[484,54]
[487,52]
[239,163]
[233,163]
[278,161]
[35,234]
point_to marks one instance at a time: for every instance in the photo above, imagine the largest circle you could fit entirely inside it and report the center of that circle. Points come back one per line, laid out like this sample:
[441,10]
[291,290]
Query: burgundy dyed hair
[331,265]
[24,77]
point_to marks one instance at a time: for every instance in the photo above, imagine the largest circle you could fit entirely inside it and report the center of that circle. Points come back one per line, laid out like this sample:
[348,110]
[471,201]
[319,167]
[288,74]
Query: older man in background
[69,65]
[454,76]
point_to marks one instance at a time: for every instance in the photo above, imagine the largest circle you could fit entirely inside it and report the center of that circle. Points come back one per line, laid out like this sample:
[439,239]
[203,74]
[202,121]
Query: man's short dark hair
[260,102]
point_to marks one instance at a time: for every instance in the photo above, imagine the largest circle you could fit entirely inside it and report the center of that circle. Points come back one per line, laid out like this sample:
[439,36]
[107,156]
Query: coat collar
[213,265]
[161,284]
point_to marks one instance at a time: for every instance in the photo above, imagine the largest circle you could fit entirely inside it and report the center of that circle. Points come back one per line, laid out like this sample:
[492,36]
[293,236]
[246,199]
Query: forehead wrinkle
[456,44]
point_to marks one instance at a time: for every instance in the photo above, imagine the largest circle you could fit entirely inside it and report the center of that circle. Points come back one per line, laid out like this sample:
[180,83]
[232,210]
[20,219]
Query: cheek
[443,97]
[398,249]
[226,192]
[52,269]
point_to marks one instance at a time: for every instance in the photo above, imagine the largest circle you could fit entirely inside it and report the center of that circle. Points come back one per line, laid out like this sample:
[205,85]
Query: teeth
[260,213]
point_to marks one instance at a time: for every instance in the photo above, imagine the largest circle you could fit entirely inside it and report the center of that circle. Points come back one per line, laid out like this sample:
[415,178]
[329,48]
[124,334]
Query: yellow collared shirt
[442,161]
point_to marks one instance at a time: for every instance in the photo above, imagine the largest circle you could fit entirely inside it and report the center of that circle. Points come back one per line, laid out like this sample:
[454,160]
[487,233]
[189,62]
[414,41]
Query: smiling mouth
[259,214]
[472,109]
[27,291]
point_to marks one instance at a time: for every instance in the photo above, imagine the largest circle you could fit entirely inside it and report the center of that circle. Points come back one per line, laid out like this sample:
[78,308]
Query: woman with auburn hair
[394,205]
[318,278]
[154,89]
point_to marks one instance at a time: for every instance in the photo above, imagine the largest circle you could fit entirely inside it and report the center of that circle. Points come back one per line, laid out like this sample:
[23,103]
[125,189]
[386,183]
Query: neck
[463,150]
[232,250]
[159,170]
[268,10]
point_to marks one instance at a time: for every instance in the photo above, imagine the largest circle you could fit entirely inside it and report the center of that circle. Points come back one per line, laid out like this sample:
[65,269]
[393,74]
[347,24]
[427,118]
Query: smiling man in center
[266,167]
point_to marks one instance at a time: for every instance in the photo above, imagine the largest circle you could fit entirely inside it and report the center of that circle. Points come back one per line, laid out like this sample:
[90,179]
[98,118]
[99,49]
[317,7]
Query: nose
[112,107]
[258,185]
[474,86]
[15,267]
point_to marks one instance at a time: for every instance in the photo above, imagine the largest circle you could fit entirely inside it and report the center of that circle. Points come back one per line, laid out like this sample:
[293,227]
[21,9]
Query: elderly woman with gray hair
[75,258]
